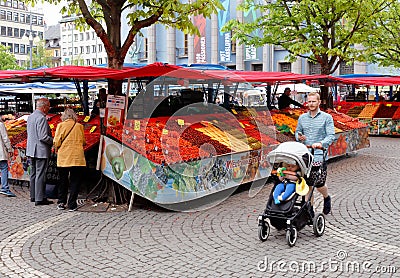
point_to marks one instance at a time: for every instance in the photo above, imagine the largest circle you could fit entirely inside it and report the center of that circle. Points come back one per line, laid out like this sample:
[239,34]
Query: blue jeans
[284,191]
[4,175]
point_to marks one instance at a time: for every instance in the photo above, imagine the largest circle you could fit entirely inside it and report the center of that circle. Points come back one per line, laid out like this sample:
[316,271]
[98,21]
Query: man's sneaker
[60,206]
[7,193]
[73,209]
[327,205]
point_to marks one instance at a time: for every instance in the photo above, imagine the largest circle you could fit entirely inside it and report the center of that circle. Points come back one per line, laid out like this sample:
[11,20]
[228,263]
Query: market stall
[183,148]
[382,118]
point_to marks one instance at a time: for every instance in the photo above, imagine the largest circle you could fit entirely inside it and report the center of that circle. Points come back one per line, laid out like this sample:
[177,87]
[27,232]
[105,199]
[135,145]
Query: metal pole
[30,41]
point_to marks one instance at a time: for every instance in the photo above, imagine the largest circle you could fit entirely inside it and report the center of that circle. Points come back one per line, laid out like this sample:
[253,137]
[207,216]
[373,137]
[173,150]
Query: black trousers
[71,176]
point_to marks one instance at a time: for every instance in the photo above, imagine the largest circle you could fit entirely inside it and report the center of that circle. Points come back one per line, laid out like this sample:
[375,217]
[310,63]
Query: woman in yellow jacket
[69,140]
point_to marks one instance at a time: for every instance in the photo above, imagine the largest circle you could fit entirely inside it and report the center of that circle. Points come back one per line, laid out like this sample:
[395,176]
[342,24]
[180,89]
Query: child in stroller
[293,213]
[288,174]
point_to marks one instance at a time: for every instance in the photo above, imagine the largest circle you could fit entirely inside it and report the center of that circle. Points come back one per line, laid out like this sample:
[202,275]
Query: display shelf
[385,112]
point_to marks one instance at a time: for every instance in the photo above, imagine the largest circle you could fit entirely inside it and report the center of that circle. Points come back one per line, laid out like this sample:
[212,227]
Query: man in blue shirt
[315,128]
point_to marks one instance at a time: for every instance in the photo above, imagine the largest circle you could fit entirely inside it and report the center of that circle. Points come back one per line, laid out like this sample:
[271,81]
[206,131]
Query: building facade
[52,44]
[17,22]
[81,48]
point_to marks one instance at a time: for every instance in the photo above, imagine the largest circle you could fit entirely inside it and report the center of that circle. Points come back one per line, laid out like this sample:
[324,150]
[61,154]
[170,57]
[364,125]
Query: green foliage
[40,57]
[139,13]
[383,44]
[7,59]
[327,32]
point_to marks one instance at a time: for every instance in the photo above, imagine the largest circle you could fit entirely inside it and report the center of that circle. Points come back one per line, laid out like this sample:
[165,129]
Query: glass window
[87,36]
[16,48]
[4,43]
[22,49]
[22,18]
[15,4]
[40,34]
[82,50]
[56,53]
[76,37]
[285,67]
[93,48]
[40,20]
[94,61]
[100,48]
[100,61]
[9,15]
[21,5]
[16,32]
[28,18]
[3,30]
[22,33]
[9,31]
[75,50]
[2,14]
[8,3]
[10,47]
[81,36]
[88,62]
[34,19]
[88,49]
[93,35]
[16,17]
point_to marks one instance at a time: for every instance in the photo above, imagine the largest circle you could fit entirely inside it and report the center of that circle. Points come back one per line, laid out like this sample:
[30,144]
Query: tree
[7,59]
[383,44]
[40,57]
[326,32]
[140,14]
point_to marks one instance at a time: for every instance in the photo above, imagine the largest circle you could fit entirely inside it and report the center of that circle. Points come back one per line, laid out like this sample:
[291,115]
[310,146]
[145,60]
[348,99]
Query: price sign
[165,131]
[51,126]
[234,111]
[181,122]
[86,119]
[389,105]
[92,129]
[137,125]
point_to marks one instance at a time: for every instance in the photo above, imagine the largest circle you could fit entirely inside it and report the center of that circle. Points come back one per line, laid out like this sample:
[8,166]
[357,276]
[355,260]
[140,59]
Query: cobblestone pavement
[361,239]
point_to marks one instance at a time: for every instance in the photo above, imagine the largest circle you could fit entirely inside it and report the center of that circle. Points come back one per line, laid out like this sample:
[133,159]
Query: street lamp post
[30,48]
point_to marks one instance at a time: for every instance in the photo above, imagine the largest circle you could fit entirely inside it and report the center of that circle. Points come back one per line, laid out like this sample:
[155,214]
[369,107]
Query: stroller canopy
[291,153]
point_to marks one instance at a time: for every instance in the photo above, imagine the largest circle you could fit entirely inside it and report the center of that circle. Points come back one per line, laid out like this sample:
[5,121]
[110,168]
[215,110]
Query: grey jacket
[5,145]
[39,141]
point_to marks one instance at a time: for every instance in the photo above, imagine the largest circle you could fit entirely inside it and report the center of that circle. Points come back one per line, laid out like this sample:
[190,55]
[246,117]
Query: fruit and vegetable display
[381,118]
[90,127]
[173,140]
[385,112]
[369,111]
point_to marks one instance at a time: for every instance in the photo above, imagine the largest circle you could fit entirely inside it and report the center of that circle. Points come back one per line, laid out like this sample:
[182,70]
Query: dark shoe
[327,205]
[61,206]
[43,203]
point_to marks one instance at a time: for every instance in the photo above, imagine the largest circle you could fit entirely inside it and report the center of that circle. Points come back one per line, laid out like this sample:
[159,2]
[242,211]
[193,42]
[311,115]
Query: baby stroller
[295,213]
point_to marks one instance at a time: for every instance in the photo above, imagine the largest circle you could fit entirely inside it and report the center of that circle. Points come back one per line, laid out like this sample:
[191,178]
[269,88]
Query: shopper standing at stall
[315,128]
[5,153]
[285,100]
[38,148]
[100,103]
[69,141]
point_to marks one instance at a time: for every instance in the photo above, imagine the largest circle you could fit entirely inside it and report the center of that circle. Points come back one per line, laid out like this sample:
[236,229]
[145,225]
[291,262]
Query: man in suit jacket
[38,148]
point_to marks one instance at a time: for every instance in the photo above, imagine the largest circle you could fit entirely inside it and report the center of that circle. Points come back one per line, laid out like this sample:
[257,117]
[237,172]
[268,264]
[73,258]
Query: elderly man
[38,148]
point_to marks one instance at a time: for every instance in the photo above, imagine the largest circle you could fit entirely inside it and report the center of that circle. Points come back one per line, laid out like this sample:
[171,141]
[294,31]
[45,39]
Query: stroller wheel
[319,225]
[291,236]
[263,231]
